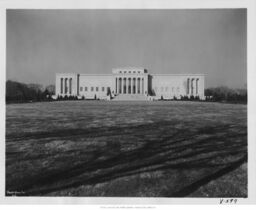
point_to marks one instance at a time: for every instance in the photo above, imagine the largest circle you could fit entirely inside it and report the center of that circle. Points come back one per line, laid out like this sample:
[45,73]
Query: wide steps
[130,97]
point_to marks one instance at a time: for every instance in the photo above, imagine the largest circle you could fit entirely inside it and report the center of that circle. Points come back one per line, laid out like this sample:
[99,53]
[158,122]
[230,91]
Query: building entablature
[66,74]
[180,75]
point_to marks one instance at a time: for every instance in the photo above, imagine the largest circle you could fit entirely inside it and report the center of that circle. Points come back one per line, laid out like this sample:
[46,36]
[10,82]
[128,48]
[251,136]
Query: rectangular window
[103,89]
[92,88]
[81,88]
[97,89]
[85,89]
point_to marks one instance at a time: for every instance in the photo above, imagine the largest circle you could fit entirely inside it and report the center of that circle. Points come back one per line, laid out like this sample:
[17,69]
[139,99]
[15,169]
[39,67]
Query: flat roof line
[177,74]
[138,74]
[96,74]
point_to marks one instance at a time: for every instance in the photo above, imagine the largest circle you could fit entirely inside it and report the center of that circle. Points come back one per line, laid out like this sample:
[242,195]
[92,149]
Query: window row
[129,72]
[103,89]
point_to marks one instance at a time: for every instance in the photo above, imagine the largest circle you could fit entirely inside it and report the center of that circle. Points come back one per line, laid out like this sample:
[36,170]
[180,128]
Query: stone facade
[128,83]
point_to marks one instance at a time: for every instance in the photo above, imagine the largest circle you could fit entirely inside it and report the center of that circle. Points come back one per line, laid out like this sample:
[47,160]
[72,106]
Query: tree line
[225,94]
[17,92]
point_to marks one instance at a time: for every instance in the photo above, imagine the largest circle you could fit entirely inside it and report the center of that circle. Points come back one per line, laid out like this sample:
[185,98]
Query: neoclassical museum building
[130,84]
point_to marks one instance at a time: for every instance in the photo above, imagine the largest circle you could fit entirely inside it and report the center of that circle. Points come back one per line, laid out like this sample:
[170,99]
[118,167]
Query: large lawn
[100,148]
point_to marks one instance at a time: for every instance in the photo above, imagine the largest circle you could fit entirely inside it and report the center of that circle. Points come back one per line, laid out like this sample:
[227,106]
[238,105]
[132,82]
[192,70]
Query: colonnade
[130,85]
[192,86]
[66,85]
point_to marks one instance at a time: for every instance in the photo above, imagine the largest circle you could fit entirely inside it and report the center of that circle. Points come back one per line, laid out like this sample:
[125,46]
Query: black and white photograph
[130,103]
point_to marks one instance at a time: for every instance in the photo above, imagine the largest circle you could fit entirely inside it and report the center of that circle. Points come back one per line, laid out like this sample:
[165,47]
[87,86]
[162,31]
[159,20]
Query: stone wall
[130,81]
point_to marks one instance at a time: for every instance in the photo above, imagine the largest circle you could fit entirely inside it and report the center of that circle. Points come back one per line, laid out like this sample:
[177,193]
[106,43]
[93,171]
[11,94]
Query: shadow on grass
[179,150]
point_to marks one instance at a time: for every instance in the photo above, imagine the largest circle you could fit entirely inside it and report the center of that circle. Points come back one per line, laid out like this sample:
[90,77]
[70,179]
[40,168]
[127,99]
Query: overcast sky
[43,42]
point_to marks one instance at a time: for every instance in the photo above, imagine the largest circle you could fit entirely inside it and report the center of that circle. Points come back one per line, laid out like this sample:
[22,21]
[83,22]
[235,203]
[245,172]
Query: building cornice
[177,74]
[96,74]
[123,74]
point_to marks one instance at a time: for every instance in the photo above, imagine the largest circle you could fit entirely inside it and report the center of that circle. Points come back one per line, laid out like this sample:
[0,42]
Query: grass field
[134,149]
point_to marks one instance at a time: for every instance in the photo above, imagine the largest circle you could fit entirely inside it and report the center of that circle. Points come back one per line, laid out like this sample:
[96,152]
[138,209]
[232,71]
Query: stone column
[139,85]
[146,85]
[119,85]
[129,85]
[70,86]
[133,85]
[136,85]
[197,86]
[192,87]
[122,85]
[126,85]
[116,85]
[117,79]
[201,87]
[65,86]
[188,91]
[142,86]
[61,85]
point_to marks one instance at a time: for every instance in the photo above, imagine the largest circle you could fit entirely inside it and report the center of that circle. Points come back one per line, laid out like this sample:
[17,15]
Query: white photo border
[250,5]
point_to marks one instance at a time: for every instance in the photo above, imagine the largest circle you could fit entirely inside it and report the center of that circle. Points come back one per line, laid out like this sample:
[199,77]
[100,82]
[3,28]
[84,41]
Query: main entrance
[131,81]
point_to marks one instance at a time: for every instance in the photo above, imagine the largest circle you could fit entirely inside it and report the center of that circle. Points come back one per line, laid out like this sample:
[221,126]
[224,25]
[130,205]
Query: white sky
[43,42]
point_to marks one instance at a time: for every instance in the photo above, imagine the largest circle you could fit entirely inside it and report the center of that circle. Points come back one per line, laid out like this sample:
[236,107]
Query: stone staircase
[130,97]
